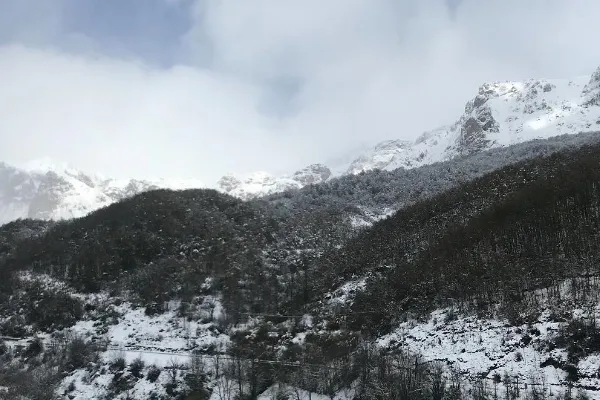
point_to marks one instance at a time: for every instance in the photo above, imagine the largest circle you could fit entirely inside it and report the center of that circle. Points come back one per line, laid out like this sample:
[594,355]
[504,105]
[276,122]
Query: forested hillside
[264,283]
[368,196]
[488,243]
[16,231]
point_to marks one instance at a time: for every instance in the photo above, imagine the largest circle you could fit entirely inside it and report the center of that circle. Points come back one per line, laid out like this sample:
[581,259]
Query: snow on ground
[84,385]
[369,217]
[345,293]
[160,359]
[476,346]
[165,340]
[165,332]
[487,347]
[277,392]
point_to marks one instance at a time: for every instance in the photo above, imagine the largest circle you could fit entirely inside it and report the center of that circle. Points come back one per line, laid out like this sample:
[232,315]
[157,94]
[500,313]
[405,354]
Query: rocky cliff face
[591,91]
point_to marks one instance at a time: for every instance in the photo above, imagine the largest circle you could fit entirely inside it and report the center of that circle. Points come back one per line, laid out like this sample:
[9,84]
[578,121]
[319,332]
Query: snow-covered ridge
[263,183]
[45,189]
[500,114]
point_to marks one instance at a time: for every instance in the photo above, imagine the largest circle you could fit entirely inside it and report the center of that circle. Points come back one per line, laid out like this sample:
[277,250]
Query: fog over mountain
[167,88]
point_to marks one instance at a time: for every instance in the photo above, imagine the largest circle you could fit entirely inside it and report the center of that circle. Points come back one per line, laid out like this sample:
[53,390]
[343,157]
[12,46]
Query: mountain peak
[46,189]
[256,184]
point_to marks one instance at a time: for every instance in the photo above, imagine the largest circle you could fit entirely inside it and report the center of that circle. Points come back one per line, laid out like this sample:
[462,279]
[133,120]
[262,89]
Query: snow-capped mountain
[46,190]
[263,183]
[501,114]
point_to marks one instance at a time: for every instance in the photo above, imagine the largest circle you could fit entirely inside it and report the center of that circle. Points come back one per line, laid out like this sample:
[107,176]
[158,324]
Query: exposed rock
[474,130]
[479,101]
[591,91]
[315,173]
[472,137]
[383,155]
[228,183]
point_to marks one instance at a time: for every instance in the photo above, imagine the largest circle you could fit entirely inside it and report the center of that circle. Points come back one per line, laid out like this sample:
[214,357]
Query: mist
[197,89]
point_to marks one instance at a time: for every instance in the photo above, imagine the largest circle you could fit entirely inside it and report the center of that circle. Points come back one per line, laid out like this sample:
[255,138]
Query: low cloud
[269,84]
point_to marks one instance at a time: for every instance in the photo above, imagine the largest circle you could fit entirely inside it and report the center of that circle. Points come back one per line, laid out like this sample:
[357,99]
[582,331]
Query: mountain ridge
[500,114]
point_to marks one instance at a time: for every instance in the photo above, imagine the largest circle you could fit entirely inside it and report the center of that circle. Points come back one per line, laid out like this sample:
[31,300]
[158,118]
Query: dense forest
[526,226]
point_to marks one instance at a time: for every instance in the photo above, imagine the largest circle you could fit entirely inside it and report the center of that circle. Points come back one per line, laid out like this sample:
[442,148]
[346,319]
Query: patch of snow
[84,385]
[487,347]
[283,391]
[344,295]
[161,333]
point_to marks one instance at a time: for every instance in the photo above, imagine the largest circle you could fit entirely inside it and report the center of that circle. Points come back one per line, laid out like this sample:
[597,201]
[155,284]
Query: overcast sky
[198,88]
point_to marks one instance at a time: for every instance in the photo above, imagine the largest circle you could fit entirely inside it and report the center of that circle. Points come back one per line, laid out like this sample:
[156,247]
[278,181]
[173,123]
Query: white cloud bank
[361,70]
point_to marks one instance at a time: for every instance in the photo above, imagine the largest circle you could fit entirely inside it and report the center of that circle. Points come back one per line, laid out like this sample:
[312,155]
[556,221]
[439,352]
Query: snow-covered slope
[47,190]
[534,349]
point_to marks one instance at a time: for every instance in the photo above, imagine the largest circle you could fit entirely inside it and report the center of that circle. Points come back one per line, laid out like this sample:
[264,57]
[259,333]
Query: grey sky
[198,88]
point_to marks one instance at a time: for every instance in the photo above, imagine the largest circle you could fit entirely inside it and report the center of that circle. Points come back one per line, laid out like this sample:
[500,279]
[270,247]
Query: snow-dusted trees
[521,228]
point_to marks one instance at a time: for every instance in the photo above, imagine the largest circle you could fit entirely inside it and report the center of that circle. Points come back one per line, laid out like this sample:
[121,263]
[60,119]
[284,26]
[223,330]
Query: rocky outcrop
[472,137]
[380,157]
[474,130]
[315,173]
[228,183]
[478,121]
[591,91]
